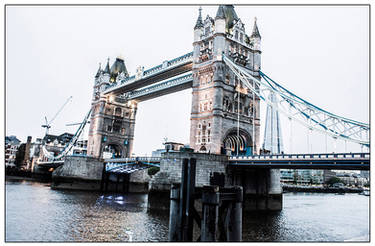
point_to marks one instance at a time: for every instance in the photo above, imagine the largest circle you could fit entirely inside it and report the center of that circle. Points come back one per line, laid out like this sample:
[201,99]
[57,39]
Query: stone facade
[78,172]
[224,113]
[112,119]
[171,166]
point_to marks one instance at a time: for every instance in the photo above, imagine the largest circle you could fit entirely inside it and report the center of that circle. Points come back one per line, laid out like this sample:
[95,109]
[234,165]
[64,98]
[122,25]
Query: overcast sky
[319,53]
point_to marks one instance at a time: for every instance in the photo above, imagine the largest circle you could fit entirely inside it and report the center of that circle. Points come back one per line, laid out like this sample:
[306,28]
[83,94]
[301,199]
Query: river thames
[35,212]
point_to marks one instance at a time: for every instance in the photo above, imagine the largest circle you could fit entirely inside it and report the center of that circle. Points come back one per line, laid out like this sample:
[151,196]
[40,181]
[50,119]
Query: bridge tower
[112,119]
[225,115]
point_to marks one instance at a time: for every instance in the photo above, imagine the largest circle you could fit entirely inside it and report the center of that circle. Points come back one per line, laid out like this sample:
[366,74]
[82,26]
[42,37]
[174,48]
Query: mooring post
[174,213]
[235,224]
[117,181]
[103,177]
[106,182]
[188,231]
[183,192]
[210,207]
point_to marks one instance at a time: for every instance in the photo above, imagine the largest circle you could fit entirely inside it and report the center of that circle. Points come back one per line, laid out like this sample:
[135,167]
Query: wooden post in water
[235,224]
[174,221]
[183,192]
[106,182]
[188,230]
[117,181]
[210,207]
[103,177]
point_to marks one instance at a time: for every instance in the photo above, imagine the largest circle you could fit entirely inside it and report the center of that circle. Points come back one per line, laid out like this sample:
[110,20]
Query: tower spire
[220,12]
[199,23]
[106,70]
[99,70]
[255,33]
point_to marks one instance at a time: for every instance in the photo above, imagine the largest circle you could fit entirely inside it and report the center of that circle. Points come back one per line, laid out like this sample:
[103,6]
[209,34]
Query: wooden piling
[190,201]
[210,207]
[106,182]
[117,181]
[183,192]
[235,223]
[173,234]
[103,177]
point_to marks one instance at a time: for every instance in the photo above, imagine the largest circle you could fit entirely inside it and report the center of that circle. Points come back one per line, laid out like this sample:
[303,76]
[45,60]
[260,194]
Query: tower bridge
[224,73]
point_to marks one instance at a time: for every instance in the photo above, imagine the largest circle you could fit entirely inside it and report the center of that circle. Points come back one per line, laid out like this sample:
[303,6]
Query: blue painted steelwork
[307,114]
[188,78]
[187,58]
[129,165]
[338,161]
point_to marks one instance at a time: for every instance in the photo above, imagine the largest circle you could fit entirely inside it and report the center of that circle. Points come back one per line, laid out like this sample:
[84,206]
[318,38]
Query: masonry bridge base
[261,187]
[86,173]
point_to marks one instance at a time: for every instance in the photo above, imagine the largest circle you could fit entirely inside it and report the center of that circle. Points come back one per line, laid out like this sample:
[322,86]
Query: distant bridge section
[335,161]
[153,75]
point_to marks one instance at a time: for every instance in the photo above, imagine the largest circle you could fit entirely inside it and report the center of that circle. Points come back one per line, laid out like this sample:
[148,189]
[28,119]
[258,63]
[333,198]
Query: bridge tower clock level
[225,115]
[112,119]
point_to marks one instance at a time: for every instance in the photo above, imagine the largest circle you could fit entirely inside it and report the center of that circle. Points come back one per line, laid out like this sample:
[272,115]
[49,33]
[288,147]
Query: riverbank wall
[321,189]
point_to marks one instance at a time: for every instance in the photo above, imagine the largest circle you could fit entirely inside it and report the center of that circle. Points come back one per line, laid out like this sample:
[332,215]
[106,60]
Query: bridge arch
[116,150]
[241,140]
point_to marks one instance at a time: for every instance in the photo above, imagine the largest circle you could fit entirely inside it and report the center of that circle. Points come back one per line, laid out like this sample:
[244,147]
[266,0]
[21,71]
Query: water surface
[34,212]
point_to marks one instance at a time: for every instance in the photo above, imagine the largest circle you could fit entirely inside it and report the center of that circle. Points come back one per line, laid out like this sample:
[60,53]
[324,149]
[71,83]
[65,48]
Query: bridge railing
[133,159]
[154,70]
[304,156]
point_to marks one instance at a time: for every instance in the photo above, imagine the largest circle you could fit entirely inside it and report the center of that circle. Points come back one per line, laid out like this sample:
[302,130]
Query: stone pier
[85,173]
[261,187]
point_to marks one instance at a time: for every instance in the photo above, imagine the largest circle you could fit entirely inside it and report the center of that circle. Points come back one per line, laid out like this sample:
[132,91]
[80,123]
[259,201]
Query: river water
[34,212]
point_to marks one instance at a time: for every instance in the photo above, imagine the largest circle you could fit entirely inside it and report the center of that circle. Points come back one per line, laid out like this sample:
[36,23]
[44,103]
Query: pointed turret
[255,33]
[107,70]
[220,13]
[99,70]
[199,23]
[230,16]
[117,68]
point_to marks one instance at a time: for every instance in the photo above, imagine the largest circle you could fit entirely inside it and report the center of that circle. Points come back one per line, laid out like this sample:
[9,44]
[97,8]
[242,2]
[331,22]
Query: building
[302,176]
[11,146]
[224,113]
[327,175]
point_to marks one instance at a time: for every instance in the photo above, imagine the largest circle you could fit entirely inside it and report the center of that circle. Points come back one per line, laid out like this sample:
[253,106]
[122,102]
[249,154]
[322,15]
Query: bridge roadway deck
[166,70]
[335,161]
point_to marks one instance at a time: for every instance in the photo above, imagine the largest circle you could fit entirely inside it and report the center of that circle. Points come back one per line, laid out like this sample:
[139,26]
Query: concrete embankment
[321,189]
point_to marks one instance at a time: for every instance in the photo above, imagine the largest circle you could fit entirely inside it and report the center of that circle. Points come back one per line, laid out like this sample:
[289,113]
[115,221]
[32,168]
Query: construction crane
[48,124]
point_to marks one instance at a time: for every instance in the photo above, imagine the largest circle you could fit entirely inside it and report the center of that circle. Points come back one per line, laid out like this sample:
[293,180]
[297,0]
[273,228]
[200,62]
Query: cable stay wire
[307,114]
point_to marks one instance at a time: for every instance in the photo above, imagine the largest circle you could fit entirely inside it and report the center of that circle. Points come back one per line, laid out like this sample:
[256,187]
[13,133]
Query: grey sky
[319,53]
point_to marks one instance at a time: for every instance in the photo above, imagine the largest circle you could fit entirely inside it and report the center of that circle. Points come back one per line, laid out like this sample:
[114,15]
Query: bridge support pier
[262,190]
[261,187]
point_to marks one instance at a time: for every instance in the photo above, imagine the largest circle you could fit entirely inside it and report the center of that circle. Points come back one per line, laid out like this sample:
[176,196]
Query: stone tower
[112,119]
[225,115]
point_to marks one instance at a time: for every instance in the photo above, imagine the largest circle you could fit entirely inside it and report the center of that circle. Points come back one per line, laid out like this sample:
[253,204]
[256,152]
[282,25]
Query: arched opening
[203,149]
[112,151]
[238,143]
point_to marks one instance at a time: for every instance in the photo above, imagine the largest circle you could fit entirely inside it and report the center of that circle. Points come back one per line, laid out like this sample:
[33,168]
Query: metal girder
[302,111]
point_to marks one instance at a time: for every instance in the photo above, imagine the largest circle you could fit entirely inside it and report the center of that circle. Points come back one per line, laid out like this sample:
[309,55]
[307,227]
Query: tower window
[118,111]
[207,30]
[241,37]
[236,35]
